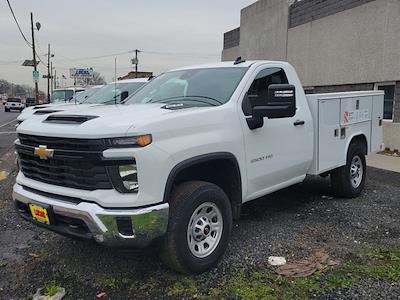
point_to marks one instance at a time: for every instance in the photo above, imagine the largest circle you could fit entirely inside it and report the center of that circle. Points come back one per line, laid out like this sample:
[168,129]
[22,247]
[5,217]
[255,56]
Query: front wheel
[349,181]
[199,227]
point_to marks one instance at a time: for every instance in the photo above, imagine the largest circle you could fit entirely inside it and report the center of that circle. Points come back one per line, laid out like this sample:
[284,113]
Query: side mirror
[124,95]
[281,102]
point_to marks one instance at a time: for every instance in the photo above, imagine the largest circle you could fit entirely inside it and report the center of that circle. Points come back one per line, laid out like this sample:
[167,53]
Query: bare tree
[97,79]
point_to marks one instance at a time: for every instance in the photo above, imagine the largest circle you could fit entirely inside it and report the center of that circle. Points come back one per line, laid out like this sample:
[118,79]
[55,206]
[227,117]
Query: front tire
[349,181]
[199,227]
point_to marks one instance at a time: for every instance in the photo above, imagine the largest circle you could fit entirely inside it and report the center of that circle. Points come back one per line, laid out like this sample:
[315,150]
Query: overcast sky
[171,34]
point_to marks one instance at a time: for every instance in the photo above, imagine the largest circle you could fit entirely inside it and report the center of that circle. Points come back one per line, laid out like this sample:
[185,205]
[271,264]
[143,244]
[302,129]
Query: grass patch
[379,264]
[51,290]
[183,288]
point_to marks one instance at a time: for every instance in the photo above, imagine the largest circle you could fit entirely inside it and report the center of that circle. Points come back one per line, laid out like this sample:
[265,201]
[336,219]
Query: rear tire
[199,227]
[349,181]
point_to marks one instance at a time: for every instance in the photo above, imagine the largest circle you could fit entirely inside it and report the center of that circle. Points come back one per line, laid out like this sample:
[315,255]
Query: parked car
[14,103]
[176,162]
[108,94]
[30,101]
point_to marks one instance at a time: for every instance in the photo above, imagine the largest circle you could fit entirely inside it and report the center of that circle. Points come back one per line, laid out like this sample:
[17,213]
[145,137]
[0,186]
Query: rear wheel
[199,227]
[349,180]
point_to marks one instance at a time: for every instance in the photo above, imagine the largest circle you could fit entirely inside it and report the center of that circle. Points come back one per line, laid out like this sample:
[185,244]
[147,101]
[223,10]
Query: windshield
[195,87]
[14,100]
[82,96]
[61,96]
[111,93]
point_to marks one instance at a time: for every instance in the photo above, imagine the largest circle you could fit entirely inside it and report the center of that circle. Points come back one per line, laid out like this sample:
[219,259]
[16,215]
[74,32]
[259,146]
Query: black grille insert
[76,163]
[77,174]
[63,143]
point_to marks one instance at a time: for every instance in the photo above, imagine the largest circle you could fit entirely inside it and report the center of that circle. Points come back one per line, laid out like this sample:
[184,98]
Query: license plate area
[40,212]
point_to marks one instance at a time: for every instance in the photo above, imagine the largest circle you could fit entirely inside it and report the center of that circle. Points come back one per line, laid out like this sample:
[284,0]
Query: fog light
[128,174]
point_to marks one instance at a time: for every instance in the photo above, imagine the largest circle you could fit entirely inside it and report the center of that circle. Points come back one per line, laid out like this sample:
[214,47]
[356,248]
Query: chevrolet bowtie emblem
[43,152]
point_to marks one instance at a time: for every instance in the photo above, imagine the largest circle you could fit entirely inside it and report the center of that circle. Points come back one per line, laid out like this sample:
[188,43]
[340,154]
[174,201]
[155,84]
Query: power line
[203,55]
[16,21]
[37,55]
[22,33]
[102,56]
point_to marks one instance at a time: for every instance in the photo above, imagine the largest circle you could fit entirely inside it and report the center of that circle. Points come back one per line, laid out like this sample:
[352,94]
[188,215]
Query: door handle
[299,123]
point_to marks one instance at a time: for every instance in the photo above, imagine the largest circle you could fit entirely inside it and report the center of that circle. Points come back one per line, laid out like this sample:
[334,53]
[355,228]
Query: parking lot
[362,235]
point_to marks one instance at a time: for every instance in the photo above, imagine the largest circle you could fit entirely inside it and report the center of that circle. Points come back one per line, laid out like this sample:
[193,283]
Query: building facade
[133,75]
[335,45]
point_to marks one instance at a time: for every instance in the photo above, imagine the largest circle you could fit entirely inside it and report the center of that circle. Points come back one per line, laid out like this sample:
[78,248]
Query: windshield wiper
[184,98]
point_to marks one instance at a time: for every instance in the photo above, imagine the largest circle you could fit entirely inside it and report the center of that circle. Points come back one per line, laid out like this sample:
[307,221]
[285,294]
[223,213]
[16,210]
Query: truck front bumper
[112,227]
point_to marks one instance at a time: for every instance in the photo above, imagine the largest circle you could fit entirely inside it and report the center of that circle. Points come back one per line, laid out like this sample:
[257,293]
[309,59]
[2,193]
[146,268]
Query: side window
[258,91]
[69,94]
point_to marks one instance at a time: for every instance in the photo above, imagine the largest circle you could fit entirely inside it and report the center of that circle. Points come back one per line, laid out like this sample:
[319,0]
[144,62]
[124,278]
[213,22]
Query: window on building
[388,102]
[258,91]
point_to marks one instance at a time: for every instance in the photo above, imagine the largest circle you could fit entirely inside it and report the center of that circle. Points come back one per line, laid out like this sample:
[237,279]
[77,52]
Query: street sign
[35,75]
[81,73]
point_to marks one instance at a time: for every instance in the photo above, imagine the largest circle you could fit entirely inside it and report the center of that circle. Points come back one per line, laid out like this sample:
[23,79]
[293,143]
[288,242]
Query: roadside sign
[35,75]
[81,73]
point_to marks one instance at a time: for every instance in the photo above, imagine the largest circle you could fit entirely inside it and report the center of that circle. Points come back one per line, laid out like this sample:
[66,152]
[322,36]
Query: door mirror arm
[255,122]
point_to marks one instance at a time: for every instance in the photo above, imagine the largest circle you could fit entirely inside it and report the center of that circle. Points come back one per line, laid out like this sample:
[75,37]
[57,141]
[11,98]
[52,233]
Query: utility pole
[55,79]
[135,61]
[48,73]
[34,61]
[51,77]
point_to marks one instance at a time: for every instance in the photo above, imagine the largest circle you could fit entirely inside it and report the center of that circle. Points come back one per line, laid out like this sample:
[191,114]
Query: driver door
[276,153]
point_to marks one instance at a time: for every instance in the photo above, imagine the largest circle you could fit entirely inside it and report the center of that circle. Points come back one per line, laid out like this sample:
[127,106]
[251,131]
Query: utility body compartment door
[329,134]
[377,125]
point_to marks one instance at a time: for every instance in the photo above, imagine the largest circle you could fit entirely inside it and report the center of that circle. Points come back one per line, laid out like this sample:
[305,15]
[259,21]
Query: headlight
[124,178]
[134,141]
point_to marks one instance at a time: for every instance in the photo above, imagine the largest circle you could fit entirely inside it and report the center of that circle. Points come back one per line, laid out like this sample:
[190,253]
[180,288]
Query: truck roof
[132,80]
[228,64]
[70,88]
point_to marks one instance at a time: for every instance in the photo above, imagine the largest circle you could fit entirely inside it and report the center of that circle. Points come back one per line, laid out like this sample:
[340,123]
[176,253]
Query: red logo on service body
[346,117]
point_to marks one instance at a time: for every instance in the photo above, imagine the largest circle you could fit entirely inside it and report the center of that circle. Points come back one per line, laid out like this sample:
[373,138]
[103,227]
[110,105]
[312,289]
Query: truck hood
[102,121]
[29,112]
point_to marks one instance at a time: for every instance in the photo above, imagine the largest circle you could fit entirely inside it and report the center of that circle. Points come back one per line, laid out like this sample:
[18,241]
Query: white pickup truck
[175,163]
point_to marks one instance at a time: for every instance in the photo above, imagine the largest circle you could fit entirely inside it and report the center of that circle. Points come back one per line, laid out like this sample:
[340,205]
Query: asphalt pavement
[7,129]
